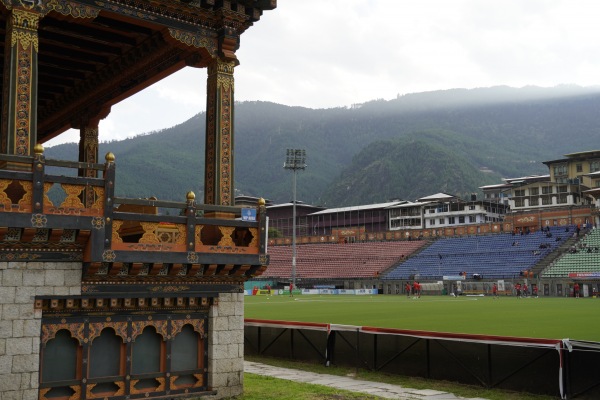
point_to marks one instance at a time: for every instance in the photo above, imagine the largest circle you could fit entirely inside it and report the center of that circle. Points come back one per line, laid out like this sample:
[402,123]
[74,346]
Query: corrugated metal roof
[358,208]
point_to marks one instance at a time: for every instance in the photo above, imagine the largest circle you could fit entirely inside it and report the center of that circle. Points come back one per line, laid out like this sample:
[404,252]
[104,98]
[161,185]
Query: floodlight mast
[295,160]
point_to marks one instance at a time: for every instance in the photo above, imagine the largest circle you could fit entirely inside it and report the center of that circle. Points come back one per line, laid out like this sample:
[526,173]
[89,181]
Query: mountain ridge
[509,137]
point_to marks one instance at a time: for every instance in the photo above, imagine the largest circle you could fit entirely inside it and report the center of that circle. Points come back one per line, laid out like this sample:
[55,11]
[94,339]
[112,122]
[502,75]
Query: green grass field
[551,318]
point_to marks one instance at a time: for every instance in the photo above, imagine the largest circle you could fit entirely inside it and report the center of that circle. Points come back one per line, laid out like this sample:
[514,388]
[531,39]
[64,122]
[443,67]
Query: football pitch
[549,318]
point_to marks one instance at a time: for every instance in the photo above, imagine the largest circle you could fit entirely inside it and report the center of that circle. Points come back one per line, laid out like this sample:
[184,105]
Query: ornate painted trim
[97,223]
[5,201]
[109,256]
[254,242]
[192,257]
[96,328]
[226,239]
[196,324]
[38,220]
[125,11]
[199,382]
[49,331]
[91,386]
[72,8]
[26,200]
[137,327]
[197,40]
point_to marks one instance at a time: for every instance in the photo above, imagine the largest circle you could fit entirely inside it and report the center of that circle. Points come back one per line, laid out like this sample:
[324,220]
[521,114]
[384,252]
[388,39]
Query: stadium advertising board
[584,275]
[340,291]
[453,277]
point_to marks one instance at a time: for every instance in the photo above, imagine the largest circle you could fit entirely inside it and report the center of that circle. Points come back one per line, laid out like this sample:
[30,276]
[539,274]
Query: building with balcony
[568,195]
[101,296]
[442,210]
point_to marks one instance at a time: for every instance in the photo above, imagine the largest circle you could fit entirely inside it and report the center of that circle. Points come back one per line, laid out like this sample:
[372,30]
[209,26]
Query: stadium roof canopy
[359,208]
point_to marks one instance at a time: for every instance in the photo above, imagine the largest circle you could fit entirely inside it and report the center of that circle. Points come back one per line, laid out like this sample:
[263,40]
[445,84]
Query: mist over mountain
[449,141]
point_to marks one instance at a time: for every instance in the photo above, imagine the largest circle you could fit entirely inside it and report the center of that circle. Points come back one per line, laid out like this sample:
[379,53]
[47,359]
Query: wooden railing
[122,230]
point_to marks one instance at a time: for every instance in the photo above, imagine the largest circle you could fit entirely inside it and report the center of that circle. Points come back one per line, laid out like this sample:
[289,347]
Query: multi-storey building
[443,210]
[567,195]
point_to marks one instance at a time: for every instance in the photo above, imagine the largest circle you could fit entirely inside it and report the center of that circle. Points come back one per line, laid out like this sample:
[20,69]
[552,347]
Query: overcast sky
[331,53]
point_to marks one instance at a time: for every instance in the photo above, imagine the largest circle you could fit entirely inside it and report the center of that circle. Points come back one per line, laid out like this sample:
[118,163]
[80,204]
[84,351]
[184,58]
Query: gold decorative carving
[25,26]
[181,238]
[149,235]
[137,327]
[195,40]
[43,393]
[90,386]
[226,82]
[96,328]
[198,234]
[49,331]
[26,200]
[254,242]
[199,382]
[221,67]
[73,9]
[116,225]
[196,324]
[161,386]
[99,204]
[4,199]
[168,289]
[226,240]
[26,39]
[77,392]
[72,200]
[75,396]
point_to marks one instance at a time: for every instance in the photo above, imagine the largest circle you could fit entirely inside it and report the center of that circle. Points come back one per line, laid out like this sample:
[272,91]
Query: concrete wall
[226,345]
[20,324]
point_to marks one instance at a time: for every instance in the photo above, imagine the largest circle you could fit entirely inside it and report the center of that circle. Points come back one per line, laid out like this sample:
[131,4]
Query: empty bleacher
[584,257]
[499,256]
[344,260]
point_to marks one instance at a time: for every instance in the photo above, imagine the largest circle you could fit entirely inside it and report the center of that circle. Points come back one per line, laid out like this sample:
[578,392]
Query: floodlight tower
[295,160]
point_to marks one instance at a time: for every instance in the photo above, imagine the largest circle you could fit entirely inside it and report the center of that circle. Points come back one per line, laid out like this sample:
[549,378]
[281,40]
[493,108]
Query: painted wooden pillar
[19,98]
[88,153]
[218,179]
[88,148]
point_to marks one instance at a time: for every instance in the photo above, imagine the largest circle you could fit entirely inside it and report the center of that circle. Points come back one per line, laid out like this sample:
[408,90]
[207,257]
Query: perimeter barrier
[557,367]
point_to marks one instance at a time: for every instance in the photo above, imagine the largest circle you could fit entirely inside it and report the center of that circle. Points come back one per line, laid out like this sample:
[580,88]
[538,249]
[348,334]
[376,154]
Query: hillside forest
[451,141]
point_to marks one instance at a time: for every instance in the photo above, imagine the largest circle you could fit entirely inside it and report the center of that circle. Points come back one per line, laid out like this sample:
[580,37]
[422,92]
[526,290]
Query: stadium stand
[343,260]
[499,256]
[584,257]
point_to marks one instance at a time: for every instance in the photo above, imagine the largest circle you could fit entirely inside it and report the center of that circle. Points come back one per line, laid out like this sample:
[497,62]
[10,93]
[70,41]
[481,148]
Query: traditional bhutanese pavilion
[107,297]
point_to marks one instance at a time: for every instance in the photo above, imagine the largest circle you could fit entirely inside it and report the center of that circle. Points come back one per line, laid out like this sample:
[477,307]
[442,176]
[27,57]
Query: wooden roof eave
[93,98]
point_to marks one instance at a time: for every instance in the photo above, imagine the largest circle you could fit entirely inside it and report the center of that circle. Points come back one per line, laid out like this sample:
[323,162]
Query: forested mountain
[449,141]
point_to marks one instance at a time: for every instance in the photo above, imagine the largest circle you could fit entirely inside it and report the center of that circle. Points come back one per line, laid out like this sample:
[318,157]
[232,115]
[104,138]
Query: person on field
[525,290]
[534,291]
[518,289]
[291,289]
[407,289]
[495,291]
[416,289]
[576,289]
